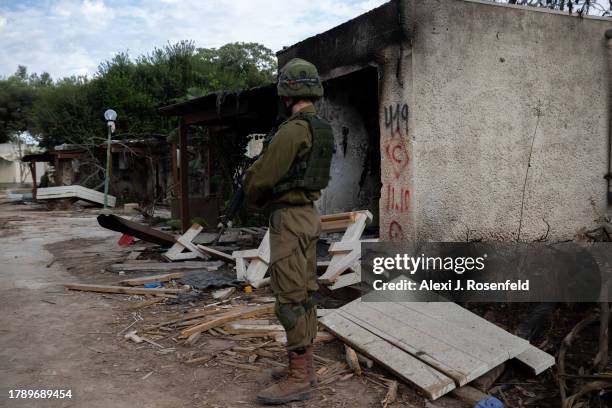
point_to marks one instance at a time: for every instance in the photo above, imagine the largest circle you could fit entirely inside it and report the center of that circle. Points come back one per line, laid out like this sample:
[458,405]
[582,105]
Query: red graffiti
[398,156]
[398,199]
[395,231]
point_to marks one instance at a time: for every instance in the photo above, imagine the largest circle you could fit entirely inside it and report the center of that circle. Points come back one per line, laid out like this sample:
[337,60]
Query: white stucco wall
[484,83]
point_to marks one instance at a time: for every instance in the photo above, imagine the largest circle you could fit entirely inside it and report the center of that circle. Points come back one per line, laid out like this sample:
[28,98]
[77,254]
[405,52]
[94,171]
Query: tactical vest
[312,172]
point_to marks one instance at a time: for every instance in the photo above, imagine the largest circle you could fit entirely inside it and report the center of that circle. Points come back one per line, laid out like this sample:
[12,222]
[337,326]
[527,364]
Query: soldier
[286,179]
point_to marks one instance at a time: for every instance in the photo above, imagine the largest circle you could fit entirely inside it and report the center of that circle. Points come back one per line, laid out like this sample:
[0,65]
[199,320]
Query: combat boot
[296,385]
[278,373]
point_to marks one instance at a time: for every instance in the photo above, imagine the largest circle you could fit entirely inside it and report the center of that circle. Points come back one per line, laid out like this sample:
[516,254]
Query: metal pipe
[107,175]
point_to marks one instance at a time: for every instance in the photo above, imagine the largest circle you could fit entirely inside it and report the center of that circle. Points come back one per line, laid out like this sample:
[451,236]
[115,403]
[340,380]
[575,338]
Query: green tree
[17,95]
[70,110]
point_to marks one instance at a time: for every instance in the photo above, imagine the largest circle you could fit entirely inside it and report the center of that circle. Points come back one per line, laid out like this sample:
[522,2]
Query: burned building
[140,169]
[491,121]
[454,119]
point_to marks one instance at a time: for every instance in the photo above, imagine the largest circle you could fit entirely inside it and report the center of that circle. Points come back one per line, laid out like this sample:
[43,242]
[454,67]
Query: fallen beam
[163,266]
[152,278]
[114,223]
[120,289]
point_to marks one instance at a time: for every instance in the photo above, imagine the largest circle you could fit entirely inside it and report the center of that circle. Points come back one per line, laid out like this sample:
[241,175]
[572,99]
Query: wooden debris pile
[343,269]
[436,346]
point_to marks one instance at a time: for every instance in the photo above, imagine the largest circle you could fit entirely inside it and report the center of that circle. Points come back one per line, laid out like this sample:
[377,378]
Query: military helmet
[299,78]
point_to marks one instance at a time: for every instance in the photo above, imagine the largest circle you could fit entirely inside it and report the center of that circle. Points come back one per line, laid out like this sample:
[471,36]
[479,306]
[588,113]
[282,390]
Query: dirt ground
[51,338]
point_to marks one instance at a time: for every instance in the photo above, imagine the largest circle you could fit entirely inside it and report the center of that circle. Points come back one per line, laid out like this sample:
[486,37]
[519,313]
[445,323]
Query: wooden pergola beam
[184,176]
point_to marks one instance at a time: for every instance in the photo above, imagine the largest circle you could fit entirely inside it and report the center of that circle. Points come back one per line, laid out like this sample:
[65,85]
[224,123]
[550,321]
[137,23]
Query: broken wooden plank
[339,264]
[176,253]
[428,380]
[164,266]
[222,294]
[185,241]
[537,360]
[338,222]
[146,303]
[224,318]
[469,338]
[120,289]
[213,253]
[352,360]
[245,328]
[487,339]
[348,279]
[152,278]
[391,394]
[348,250]
[454,363]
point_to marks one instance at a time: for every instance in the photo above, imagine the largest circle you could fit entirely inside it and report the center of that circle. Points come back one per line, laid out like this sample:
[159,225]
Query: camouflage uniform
[295,227]
[287,179]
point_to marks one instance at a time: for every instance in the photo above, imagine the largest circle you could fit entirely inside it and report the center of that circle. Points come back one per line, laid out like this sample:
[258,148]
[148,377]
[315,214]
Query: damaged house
[140,168]
[455,120]
[489,126]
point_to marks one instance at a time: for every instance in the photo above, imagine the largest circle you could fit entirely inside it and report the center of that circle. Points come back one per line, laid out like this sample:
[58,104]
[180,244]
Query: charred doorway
[351,106]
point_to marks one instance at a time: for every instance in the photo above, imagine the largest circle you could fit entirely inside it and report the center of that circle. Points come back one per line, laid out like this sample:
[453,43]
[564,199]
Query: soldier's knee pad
[289,313]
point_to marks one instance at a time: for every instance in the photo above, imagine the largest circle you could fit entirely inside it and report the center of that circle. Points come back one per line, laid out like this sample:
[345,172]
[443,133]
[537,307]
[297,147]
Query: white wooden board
[447,358]
[536,359]
[428,380]
[348,251]
[175,253]
[83,193]
[442,336]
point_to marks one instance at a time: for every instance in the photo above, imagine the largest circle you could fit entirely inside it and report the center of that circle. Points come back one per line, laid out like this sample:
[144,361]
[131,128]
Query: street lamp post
[110,116]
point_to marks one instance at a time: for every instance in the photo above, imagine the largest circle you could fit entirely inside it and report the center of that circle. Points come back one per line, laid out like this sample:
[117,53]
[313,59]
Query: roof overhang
[356,42]
[225,108]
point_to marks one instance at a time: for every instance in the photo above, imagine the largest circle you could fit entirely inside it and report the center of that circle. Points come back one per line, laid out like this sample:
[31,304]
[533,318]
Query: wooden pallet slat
[428,380]
[443,336]
[120,289]
[176,253]
[537,360]
[451,360]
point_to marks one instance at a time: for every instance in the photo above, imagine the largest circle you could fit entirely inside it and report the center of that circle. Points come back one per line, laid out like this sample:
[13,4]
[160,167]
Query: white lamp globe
[110,115]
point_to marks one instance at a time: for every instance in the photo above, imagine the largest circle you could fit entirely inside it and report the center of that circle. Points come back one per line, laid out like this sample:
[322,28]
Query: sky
[72,37]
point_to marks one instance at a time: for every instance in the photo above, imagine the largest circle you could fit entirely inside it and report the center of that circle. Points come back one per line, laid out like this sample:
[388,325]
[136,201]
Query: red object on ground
[126,240]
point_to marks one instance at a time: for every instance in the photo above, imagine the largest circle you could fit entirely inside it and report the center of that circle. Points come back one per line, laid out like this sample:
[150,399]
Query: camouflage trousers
[294,232]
